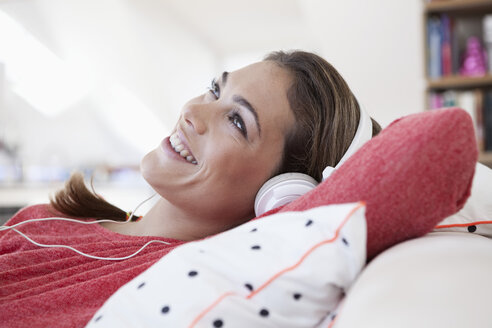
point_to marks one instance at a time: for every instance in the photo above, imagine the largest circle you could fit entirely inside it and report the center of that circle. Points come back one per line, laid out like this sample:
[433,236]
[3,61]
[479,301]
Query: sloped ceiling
[153,47]
[231,27]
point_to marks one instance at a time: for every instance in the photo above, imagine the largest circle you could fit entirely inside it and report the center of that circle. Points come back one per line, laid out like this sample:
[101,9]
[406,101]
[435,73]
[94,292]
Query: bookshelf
[449,26]
[460,6]
[460,82]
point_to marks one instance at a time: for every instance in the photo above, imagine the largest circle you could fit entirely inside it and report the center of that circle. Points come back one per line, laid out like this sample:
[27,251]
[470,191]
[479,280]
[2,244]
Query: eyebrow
[224,77]
[243,102]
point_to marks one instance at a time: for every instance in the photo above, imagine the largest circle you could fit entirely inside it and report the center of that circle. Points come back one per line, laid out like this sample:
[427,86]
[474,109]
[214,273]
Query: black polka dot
[141,285]
[254,230]
[472,228]
[333,317]
[256,247]
[249,287]
[98,318]
[264,313]
[309,222]
[297,296]
[165,309]
[345,241]
[192,273]
[218,323]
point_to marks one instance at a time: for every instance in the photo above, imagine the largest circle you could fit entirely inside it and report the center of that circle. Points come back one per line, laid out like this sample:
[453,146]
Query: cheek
[244,171]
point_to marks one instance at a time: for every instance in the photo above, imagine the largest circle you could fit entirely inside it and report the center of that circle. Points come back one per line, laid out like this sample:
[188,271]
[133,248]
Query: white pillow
[476,215]
[439,280]
[286,270]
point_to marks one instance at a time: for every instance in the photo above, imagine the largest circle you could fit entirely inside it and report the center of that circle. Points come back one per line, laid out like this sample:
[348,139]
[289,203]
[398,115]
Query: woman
[291,112]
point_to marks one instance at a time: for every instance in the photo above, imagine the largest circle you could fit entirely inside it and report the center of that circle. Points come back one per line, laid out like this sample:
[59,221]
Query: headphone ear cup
[282,189]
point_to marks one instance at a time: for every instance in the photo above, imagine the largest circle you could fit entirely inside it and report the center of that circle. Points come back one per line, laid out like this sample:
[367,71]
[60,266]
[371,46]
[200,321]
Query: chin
[144,166]
[149,166]
[160,176]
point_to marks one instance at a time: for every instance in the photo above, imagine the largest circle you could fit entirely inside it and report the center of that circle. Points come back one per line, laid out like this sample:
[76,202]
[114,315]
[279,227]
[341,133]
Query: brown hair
[327,113]
[327,116]
[78,201]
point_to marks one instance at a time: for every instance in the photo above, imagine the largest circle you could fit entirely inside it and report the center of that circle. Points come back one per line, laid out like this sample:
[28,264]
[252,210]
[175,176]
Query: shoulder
[32,212]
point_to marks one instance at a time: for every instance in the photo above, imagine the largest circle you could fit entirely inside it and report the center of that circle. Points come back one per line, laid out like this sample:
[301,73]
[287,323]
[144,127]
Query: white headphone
[284,188]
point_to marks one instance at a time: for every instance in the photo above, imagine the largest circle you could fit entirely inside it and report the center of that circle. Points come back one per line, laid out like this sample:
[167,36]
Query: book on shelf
[487,38]
[478,103]
[447,38]
[446,61]
[434,47]
[487,120]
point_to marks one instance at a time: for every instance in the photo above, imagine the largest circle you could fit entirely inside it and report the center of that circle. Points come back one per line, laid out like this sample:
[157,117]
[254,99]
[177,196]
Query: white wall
[377,47]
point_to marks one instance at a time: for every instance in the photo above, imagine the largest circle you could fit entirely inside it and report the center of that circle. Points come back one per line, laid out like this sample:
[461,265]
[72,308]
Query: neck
[168,221]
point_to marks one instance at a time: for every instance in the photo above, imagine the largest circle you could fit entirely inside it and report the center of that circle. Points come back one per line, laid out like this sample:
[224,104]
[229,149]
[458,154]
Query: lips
[180,146]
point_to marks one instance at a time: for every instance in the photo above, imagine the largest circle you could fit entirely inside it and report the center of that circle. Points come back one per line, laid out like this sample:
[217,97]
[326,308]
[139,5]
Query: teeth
[179,148]
[174,140]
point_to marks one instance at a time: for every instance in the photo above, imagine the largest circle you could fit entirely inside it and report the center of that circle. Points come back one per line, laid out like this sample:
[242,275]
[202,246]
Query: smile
[181,149]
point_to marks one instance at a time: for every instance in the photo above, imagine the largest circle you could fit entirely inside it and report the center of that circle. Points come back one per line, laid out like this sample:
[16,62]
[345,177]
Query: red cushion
[415,173]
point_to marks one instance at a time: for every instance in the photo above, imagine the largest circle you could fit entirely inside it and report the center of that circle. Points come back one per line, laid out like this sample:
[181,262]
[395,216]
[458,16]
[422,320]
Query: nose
[196,117]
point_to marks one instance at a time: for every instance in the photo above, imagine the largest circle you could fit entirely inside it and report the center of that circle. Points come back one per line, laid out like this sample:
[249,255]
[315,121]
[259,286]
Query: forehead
[265,85]
[266,74]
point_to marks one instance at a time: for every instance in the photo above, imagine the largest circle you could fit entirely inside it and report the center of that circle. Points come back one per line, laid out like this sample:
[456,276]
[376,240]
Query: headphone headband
[362,135]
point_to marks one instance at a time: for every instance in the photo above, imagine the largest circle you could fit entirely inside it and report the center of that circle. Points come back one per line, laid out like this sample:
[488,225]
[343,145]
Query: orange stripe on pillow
[456,225]
[332,322]
[269,281]
[337,232]
[210,307]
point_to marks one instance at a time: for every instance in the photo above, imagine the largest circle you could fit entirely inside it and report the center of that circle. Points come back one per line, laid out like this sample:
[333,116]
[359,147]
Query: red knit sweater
[55,287]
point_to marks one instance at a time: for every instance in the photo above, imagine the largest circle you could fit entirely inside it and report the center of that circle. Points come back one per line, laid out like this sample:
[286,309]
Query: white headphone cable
[12,227]
[76,220]
[88,255]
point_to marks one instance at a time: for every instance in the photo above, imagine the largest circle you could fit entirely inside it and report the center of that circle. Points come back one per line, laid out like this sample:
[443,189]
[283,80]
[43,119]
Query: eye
[238,122]
[214,89]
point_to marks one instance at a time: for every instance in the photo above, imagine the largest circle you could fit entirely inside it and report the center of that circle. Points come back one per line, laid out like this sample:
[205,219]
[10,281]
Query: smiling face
[230,139]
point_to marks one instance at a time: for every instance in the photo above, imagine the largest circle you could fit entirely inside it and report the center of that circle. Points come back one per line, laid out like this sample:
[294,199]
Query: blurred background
[93,85]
